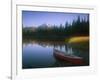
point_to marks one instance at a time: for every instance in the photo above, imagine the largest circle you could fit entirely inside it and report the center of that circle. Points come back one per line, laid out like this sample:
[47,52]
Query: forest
[79,27]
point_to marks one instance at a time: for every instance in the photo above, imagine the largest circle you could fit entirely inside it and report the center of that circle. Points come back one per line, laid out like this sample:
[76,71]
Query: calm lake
[39,54]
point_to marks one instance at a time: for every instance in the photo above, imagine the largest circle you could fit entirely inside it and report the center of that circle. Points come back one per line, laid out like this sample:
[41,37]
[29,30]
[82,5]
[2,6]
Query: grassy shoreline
[77,39]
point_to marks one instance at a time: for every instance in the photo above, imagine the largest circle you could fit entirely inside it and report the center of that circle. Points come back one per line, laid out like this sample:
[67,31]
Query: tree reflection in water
[64,47]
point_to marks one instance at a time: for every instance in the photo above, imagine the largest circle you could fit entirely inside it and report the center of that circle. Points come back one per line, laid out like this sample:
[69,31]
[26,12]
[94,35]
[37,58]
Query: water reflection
[39,54]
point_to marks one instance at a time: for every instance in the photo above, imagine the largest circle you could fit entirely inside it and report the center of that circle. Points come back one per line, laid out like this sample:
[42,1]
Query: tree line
[79,27]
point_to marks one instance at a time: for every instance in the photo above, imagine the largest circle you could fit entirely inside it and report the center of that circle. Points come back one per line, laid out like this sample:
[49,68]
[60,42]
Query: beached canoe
[68,58]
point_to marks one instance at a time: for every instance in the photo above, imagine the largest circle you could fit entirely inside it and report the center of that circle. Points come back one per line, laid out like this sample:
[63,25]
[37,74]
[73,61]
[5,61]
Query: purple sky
[36,18]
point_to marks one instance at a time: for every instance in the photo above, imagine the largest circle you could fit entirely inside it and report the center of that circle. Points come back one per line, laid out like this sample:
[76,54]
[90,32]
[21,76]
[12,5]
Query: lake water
[39,54]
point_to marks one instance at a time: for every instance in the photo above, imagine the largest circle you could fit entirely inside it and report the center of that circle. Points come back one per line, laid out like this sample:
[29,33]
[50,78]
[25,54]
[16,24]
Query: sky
[37,18]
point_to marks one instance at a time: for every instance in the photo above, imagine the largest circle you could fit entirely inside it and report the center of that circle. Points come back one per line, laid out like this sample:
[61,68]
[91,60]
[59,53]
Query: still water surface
[39,54]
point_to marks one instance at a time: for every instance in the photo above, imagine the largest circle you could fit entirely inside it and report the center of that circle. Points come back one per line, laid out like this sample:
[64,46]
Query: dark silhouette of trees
[77,28]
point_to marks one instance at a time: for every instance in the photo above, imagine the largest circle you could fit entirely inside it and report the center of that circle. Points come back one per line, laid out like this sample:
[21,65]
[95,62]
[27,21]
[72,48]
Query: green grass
[79,42]
[77,39]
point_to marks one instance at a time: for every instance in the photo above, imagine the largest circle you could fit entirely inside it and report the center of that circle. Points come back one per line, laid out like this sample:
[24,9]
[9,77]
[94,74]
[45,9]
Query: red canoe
[69,58]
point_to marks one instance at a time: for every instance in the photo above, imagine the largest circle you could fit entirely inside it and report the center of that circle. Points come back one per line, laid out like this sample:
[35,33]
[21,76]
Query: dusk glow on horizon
[37,18]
